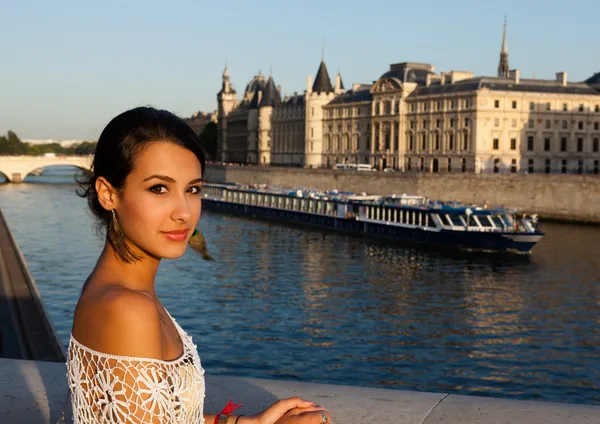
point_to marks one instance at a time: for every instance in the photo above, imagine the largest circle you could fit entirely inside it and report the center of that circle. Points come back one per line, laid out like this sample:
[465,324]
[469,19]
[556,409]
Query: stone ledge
[36,392]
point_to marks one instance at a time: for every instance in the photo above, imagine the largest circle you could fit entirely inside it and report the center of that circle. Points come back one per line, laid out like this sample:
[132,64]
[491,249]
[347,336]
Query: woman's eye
[158,189]
[195,189]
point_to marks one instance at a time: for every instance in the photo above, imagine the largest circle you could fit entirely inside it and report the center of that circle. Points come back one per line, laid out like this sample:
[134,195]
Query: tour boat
[403,218]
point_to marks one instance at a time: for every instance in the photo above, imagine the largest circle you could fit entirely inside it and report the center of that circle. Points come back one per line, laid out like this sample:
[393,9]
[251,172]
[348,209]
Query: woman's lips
[177,235]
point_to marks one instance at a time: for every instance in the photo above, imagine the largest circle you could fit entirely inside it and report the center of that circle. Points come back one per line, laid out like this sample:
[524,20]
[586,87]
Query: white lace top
[112,389]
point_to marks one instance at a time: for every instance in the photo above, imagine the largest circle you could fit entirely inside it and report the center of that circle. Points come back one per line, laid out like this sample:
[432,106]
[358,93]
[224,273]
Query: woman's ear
[107,194]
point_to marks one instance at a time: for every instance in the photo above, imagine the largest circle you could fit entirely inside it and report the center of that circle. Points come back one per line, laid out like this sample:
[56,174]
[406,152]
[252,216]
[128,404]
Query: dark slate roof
[594,80]
[293,101]
[256,82]
[506,84]
[254,102]
[322,82]
[361,94]
[270,95]
[409,72]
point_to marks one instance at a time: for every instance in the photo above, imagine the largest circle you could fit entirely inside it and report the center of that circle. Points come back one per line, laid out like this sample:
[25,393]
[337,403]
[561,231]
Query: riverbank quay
[33,392]
[557,197]
[25,330]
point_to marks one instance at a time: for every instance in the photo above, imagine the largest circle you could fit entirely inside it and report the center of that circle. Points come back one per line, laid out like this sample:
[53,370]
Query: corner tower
[227,100]
[317,95]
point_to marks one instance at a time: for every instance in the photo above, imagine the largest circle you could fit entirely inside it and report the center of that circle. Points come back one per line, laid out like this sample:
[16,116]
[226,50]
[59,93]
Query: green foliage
[208,137]
[11,145]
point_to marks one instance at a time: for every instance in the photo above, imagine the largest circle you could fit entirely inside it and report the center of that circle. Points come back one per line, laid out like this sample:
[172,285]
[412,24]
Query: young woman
[128,360]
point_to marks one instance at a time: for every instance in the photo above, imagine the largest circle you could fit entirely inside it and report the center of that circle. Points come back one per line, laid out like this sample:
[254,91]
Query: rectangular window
[450,141]
[425,124]
[424,142]
[496,122]
[580,144]
[513,166]
[438,105]
[548,124]
[496,144]
[564,166]
[595,145]
[563,144]
[581,108]
[548,106]
[596,126]
[438,123]
[564,125]
[451,122]
[466,141]
[580,125]
[496,165]
[547,166]
[565,107]
[411,143]
[531,106]
[437,142]
[513,144]
[467,122]
[597,108]
[531,123]
[312,132]
[412,125]
[514,105]
[514,123]
[497,104]
[529,143]
[530,166]
[547,144]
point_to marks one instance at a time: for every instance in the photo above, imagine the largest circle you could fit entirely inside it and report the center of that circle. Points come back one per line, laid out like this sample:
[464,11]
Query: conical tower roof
[271,95]
[322,82]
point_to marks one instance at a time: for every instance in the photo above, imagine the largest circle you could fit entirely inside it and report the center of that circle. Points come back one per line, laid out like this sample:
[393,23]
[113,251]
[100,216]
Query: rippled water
[292,303]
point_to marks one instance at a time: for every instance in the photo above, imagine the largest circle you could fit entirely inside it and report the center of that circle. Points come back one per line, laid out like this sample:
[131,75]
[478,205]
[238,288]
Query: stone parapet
[37,392]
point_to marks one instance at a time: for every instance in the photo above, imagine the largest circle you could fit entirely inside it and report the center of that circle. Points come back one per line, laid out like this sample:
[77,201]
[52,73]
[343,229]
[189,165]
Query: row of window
[441,105]
[564,124]
[435,165]
[436,139]
[548,106]
[577,145]
[282,202]
[561,165]
[439,123]
[348,127]
[344,112]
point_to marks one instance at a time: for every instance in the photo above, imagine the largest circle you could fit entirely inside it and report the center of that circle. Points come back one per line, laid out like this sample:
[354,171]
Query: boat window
[484,220]
[455,220]
[430,221]
[498,221]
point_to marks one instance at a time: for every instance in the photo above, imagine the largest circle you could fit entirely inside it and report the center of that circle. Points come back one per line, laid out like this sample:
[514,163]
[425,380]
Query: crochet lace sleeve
[117,390]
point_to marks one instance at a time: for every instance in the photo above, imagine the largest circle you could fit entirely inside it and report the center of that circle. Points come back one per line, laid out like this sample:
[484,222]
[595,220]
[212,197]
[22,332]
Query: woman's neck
[139,276]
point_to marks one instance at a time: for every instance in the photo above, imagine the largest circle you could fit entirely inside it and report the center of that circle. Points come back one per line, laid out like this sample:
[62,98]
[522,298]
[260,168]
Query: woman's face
[159,205]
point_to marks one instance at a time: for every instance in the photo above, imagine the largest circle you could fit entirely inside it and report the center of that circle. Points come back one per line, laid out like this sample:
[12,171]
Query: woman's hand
[291,410]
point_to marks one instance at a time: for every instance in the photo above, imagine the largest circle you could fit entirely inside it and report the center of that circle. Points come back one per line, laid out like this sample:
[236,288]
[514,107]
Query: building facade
[414,119]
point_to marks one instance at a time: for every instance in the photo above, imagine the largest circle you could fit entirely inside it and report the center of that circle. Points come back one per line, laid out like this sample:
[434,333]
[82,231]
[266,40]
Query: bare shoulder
[120,322]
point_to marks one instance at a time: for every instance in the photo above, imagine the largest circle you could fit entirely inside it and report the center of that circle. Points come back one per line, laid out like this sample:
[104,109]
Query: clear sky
[68,67]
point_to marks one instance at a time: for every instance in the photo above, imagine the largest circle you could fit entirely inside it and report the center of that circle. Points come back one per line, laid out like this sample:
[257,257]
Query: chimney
[428,80]
[355,87]
[562,78]
[515,75]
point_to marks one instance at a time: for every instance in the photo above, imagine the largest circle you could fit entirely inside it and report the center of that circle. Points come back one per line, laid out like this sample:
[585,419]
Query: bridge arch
[17,167]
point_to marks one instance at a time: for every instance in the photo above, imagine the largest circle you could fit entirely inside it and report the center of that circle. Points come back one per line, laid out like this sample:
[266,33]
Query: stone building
[414,119]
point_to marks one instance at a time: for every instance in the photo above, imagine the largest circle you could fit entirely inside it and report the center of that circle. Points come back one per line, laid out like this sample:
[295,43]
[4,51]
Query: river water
[291,303]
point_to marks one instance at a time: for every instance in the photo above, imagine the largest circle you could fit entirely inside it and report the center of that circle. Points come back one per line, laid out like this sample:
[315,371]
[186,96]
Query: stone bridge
[16,168]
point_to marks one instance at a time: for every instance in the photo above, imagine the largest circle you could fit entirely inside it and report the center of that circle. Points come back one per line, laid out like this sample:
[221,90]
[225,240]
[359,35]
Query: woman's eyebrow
[171,180]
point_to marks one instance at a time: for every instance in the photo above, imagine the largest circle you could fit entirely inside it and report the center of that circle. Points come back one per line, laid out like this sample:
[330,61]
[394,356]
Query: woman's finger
[298,411]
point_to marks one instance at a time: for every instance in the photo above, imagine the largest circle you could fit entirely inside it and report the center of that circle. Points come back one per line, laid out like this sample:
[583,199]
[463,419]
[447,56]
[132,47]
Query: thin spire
[503,67]
[504,42]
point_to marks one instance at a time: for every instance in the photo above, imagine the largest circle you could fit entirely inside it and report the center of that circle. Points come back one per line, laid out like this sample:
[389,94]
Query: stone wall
[558,197]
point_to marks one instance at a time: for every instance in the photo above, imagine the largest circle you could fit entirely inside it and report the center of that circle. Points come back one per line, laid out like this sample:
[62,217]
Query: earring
[198,243]
[117,240]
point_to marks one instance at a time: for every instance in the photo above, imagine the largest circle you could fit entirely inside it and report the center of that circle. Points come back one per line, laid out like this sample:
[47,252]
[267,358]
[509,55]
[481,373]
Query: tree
[208,138]
[12,145]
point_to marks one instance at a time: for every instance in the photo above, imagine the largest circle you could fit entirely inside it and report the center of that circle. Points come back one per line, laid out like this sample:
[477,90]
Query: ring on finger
[324,418]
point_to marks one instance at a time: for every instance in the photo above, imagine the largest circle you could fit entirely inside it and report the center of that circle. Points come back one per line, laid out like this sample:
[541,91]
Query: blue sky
[68,67]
